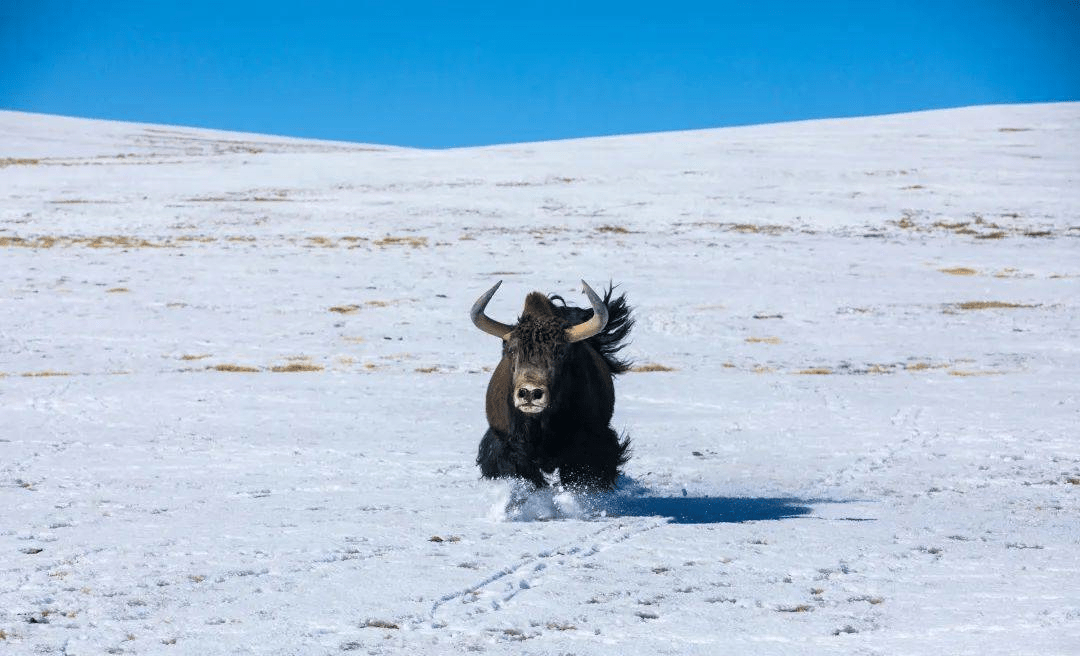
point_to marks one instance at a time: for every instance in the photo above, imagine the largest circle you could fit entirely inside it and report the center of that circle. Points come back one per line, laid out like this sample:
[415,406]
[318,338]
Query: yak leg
[500,458]
[593,459]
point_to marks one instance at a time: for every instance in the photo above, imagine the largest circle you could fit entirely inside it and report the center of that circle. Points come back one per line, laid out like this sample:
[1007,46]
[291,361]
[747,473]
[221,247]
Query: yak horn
[595,324]
[486,323]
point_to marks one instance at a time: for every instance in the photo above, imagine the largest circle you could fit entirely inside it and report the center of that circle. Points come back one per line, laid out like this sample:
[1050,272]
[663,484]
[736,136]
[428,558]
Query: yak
[551,397]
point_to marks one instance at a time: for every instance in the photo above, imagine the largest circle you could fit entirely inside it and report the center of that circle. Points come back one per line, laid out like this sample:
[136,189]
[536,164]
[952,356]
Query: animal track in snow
[529,571]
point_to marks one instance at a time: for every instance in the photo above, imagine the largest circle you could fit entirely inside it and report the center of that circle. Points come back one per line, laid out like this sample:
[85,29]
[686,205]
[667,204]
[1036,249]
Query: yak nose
[528,393]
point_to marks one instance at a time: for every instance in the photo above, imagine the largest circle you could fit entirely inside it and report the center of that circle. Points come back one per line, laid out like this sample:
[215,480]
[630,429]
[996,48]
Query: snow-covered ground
[240,395]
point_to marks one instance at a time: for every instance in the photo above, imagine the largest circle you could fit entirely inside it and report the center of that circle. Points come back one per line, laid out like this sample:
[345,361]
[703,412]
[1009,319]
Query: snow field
[240,396]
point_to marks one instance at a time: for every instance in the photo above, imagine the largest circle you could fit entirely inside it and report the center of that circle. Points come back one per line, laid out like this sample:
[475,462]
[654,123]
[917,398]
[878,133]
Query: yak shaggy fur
[573,433]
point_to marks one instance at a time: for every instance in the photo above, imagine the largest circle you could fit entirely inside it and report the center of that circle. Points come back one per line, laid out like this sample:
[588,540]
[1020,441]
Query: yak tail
[609,341]
[624,449]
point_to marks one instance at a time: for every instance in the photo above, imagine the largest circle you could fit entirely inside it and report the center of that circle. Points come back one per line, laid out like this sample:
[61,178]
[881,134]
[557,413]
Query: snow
[240,395]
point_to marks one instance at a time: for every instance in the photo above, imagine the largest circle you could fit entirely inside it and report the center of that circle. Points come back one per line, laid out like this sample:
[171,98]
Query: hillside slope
[240,395]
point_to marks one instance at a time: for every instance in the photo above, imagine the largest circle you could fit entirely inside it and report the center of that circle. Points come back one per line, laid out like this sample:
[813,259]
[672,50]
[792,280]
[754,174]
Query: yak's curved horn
[595,324]
[486,323]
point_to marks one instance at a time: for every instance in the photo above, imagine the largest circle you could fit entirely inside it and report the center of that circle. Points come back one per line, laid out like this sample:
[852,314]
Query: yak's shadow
[631,499]
[520,501]
[707,510]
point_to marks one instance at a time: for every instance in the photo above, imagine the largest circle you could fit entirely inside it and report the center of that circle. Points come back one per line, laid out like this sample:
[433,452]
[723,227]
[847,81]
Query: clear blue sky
[439,74]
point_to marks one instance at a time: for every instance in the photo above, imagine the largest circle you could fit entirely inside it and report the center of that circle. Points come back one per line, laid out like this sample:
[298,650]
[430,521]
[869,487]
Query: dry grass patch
[319,242]
[81,201]
[990,305]
[414,242]
[101,241]
[44,374]
[964,372]
[20,242]
[353,308]
[191,357]
[959,271]
[123,241]
[754,228]
[920,366]
[561,626]
[815,371]
[398,357]
[1010,272]
[296,367]
[958,225]
[977,227]
[612,229]
[235,368]
[650,368]
[117,290]
[427,370]
[762,340]
[265,196]
[18,161]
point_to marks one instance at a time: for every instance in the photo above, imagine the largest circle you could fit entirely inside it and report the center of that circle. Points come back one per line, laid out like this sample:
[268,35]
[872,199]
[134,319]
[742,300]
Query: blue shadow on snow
[708,510]
[631,499]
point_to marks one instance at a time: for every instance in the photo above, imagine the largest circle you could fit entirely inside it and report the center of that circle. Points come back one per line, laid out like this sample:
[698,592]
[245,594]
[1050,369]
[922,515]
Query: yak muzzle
[531,398]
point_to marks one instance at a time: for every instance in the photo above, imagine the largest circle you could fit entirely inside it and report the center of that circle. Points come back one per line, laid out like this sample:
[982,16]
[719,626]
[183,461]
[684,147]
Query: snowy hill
[240,396]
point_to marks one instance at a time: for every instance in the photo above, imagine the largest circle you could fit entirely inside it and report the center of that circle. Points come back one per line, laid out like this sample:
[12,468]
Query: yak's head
[538,345]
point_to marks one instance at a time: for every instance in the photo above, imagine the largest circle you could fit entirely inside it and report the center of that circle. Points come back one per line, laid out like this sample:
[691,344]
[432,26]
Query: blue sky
[441,74]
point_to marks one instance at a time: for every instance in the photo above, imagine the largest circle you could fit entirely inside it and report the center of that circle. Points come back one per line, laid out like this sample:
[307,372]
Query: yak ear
[538,305]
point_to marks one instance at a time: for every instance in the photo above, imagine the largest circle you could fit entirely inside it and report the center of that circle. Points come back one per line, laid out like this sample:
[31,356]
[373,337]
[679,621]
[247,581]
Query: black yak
[550,399]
